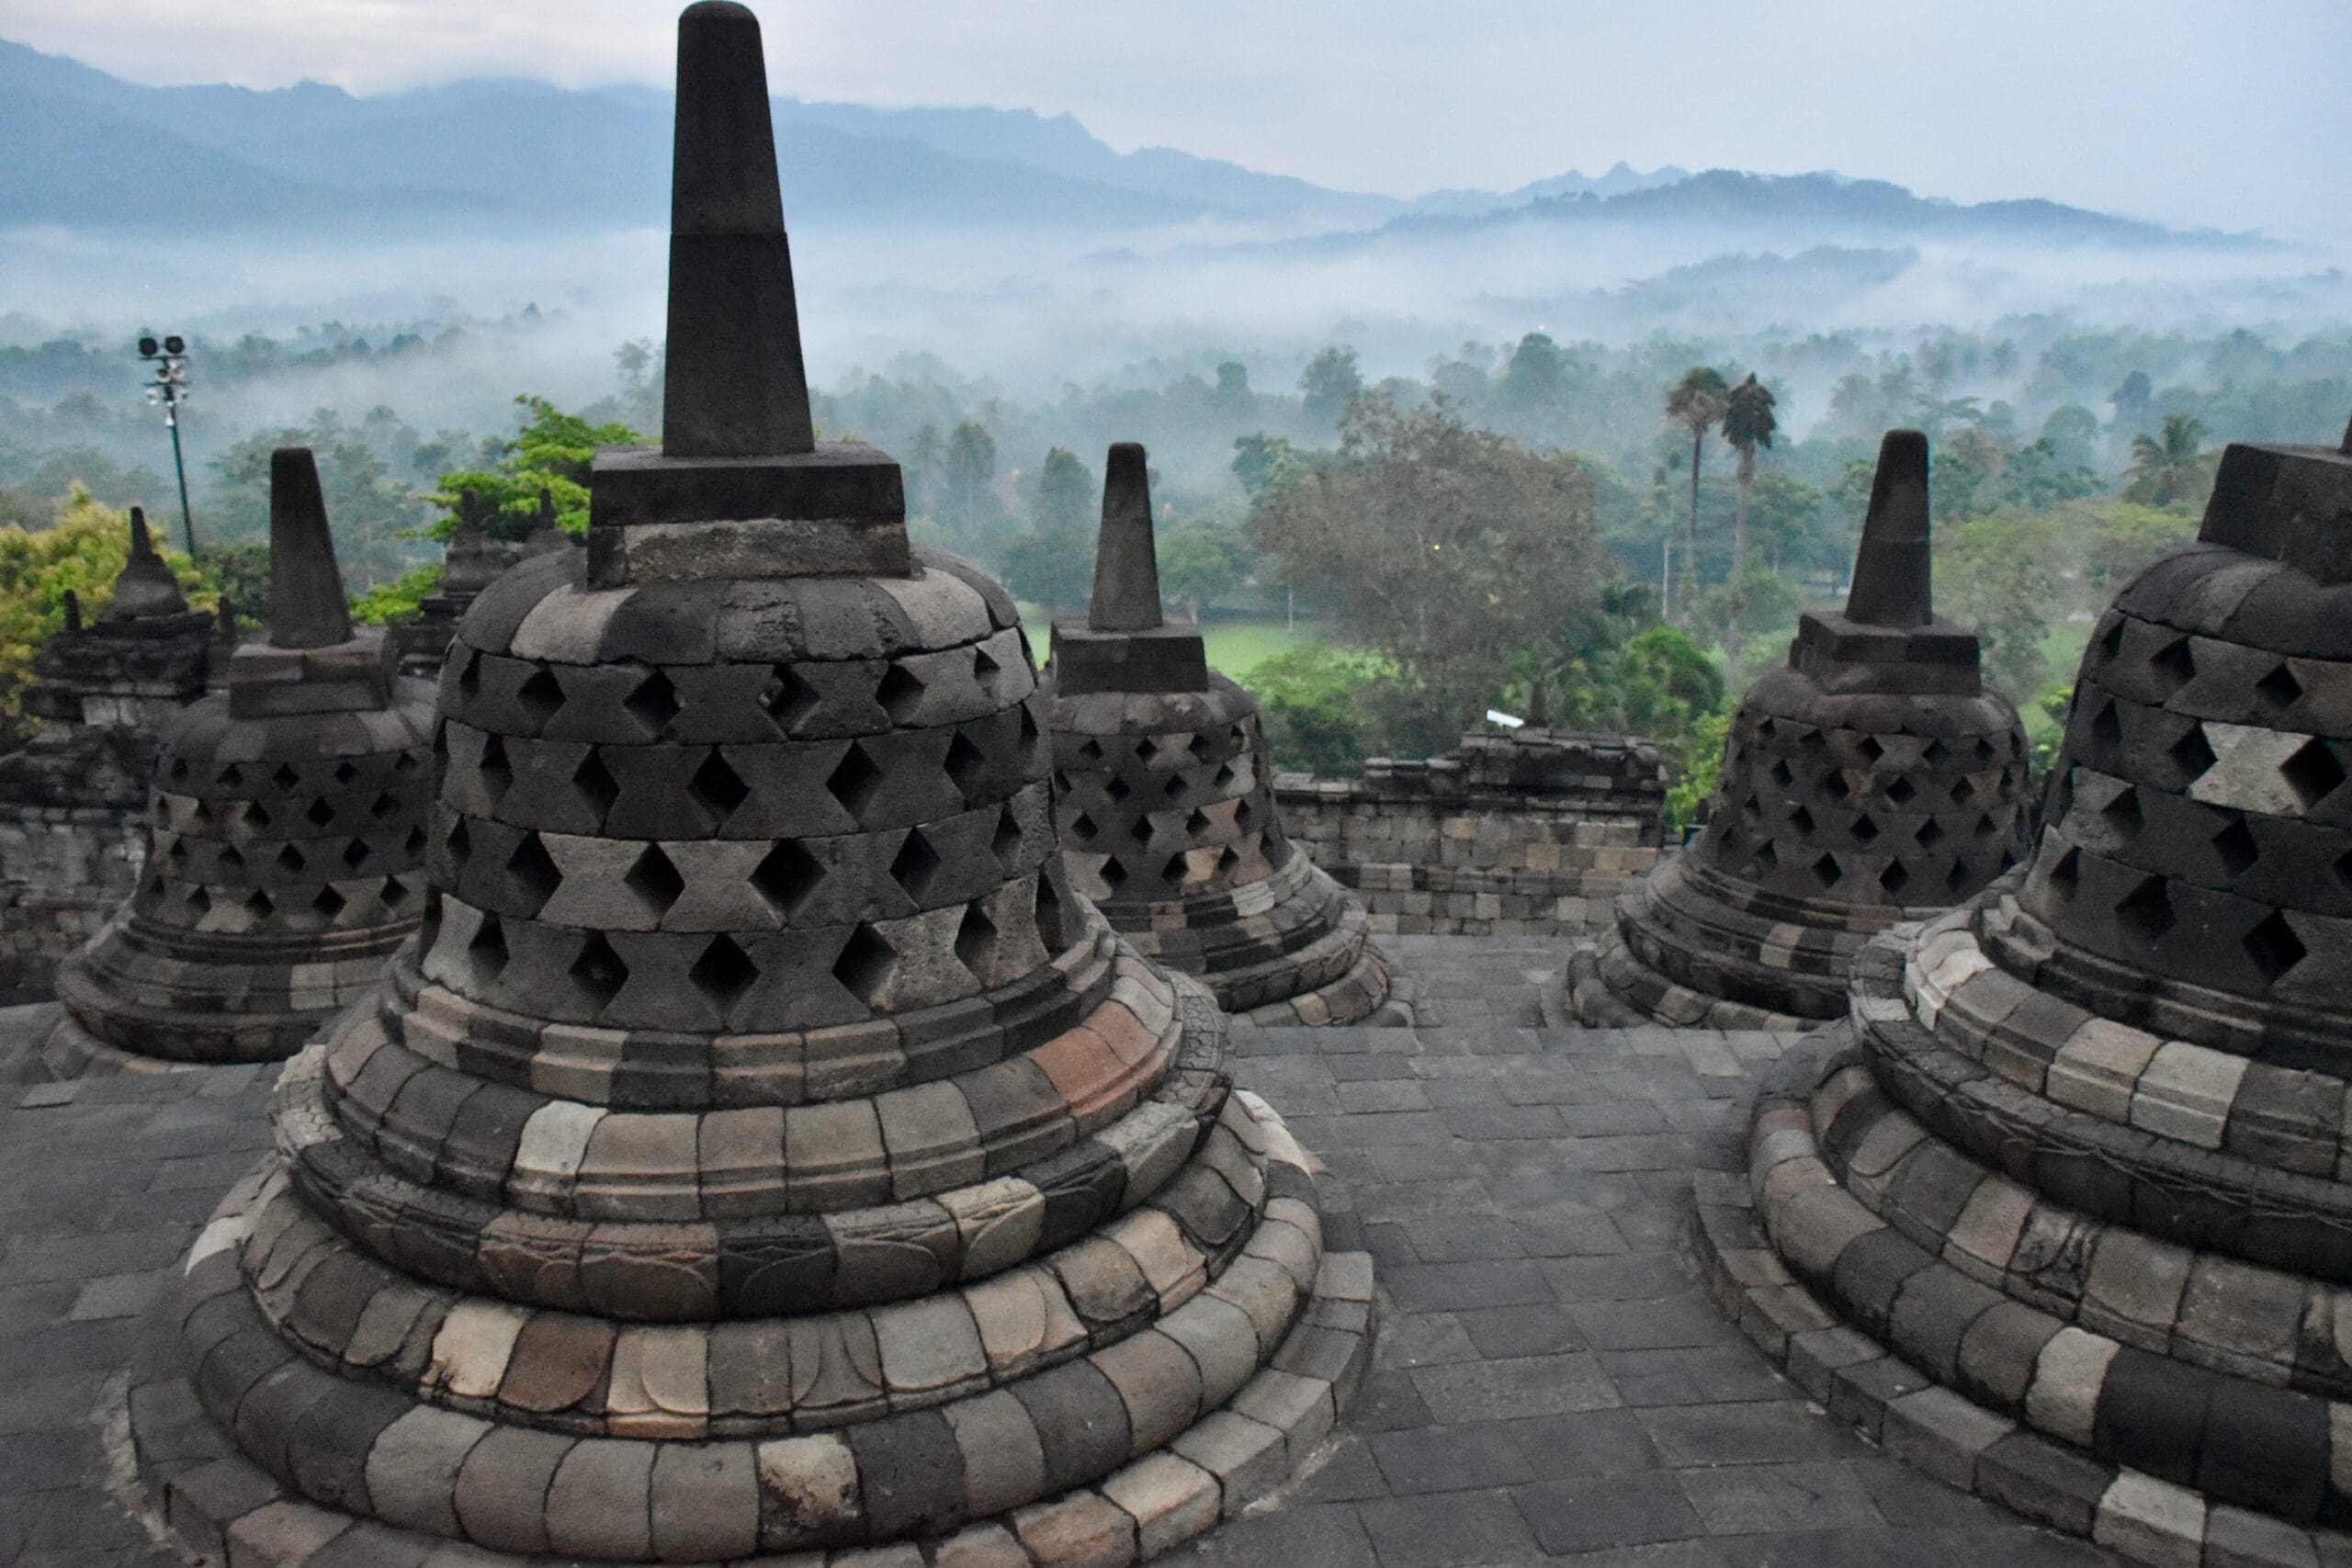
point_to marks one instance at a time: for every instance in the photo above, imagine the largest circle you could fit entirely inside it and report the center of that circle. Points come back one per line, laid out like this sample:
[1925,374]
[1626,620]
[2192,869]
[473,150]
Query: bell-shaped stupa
[1167,805]
[762,1149]
[2081,1154]
[1872,781]
[469,564]
[287,834]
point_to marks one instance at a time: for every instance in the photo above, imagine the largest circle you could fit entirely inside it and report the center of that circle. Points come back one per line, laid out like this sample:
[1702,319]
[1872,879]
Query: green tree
[1695,403]
[2172,467]
[1054,563]
[552,452]
[1749,425]
[968,500]
[2000,575]
[1317,703]
[1330,382]
[1200,564]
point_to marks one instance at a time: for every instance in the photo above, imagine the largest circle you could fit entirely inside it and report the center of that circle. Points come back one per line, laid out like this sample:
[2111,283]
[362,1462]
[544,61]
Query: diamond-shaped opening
[497,774]
[1984,750]
[1225,777]
[1864,830]
[2106,725]
[2146,912]
[1901,791]
[230,858]
[1172,870]
[2274,946]
[1767,858]
[2192,753]
[2236,847]
[2123,813]
[2175,665]
[1766,729]
[384,805]
[2280,688]
[2312,773]
[1956,880]
[1810,738]
[855,781]
[1141,830]
[654,880]
[1049,916]
[1782,775]
[533,870]
[598,971]
[787,876]
[1197,823]
[1092,752]
[1228,862]
[486,954]
[1006,844]
[406,764]
[345,772]
[394,893]
[2067,874]
[1929,834]
[1242,814]
[1870,748]
[414,845]
[865,965]
[1081,828]
[1032,737]
[1936,752]
[1801,819]
[723,973]
[177,853]
[1114,875]
[355,853]
[654,703]
[976,940]
[788,699]
[1985,827]
[469,678]
[1117,789]
[1834,785]
[1174,788]
[1962,791]
[329,903]
[984,671]
[916,865]
[2110,641]
[199,902]
[595,783]
[900,692]
[541,696]
[460,843]
[1147,749]
[717,788]
[965,764]
[1200,747]
[256,815]
[1894,878]
[178,770]
[1825,870]
[287,777]
[292,860]
[1061,781]
[320,813]
[259,906]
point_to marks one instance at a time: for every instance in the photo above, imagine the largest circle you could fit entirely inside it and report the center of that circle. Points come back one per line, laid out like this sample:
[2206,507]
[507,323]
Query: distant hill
[89,151]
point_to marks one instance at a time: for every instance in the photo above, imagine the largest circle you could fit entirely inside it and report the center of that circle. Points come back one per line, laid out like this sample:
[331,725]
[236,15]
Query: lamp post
[170,389]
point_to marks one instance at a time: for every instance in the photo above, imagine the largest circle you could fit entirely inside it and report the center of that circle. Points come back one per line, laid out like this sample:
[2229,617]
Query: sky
[2223,113]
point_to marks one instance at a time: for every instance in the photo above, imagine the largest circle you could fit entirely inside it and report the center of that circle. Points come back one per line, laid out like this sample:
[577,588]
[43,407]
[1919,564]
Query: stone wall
[1530,833]
[62,870]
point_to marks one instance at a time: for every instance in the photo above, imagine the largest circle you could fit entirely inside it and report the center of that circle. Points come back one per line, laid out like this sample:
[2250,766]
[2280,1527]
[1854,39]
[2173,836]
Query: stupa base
[1604,984]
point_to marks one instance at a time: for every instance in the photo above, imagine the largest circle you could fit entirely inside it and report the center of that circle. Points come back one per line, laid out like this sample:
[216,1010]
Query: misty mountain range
[92,152]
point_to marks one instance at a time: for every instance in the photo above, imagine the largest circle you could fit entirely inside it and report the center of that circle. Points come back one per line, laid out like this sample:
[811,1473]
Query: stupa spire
[306,607]
[146,588]
[1894,585]
[733,385]
[1126,563]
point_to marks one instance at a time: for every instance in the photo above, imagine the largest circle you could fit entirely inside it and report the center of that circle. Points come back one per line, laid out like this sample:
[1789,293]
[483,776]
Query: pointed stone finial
[72,610]
[1126,565]
[146,588]
[1893,584]
[547,534]
[733,384]
[306,607]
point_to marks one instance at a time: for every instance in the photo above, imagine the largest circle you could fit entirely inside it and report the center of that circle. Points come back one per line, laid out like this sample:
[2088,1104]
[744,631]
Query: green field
[1235,646]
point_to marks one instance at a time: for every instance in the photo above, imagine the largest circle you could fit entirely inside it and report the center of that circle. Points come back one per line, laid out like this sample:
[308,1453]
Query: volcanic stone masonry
[286,838]
[471,562]
[1872,781]
[72,799]
[761,1149]
[2080,1158]
[1166,802]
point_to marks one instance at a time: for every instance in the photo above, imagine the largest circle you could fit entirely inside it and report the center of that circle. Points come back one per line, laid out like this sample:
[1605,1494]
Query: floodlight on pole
[168,390]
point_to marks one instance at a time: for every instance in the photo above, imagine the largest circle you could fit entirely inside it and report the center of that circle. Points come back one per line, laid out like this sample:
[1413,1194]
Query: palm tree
[1697,401]
[2172,466]
[1747,425]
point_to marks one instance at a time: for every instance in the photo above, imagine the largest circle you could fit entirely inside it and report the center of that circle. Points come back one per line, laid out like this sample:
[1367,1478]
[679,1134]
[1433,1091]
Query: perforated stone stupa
[1167,807]
[762,1149]
[1872,781]
[470,563]
[2081,1154]
[287,834]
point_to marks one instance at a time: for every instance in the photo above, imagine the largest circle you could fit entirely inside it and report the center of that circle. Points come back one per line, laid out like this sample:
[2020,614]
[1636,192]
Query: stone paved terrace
[1550,1383]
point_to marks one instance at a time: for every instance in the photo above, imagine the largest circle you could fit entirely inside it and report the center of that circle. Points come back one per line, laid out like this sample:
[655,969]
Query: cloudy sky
[2230,113]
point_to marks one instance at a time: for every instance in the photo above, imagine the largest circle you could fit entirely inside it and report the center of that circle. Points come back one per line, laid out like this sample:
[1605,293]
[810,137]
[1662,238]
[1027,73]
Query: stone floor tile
[1590,1513]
